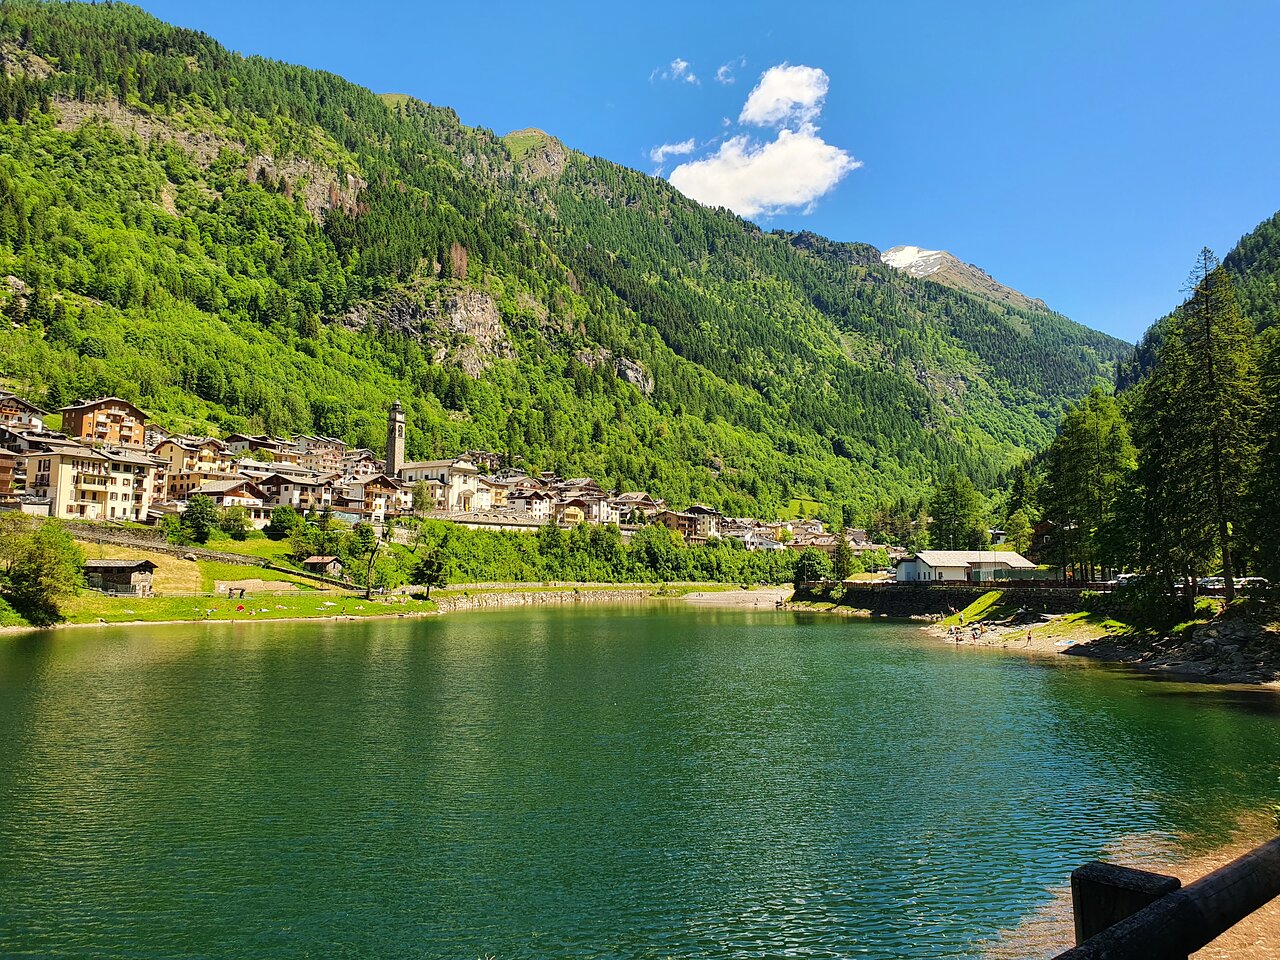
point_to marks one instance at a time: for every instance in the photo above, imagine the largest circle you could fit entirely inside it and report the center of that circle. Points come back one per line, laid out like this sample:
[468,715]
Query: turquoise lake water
[649,781]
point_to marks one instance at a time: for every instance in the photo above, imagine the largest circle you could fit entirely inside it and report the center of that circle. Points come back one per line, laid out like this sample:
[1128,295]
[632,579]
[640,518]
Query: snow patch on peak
[915,260]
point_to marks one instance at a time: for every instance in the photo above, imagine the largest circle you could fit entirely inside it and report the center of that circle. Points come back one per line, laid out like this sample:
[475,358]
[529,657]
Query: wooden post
[1103,894]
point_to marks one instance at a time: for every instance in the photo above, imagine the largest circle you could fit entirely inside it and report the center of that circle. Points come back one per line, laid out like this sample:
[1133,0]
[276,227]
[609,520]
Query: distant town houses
[108,463]
[16,411]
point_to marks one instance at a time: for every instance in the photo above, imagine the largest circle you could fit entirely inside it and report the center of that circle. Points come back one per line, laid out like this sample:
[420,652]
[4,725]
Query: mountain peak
[541,154]
[945,268]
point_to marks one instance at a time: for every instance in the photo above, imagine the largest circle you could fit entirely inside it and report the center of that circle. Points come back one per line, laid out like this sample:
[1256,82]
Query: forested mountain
[236,243]
[1254,265]
[946,268]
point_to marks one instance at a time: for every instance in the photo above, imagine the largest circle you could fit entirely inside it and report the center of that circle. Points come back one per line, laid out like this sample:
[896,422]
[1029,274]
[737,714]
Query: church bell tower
[395,440]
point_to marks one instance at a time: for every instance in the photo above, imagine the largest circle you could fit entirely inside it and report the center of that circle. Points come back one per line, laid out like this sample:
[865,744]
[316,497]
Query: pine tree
[1264,525]
[959,515]
[1089,464]
[1017,531]
[844,559]
[1198,420]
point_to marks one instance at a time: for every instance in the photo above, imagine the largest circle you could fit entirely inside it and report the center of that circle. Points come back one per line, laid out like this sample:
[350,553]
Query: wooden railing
[1125,914]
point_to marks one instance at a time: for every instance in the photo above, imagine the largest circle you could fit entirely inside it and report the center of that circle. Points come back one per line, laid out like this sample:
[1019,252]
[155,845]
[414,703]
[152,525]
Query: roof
[963,558]
[118,564]
[459,465]
[120,455]
[83,404]
[9,398]
[299,480]
[187,442]
[226,486]
[325,560]
[61,446]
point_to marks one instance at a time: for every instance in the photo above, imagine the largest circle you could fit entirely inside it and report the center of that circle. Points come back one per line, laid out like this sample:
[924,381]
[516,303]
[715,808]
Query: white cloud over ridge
[660,153]
[786,95]
[792,171]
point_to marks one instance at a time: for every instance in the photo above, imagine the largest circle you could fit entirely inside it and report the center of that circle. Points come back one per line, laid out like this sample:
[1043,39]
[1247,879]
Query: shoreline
[467,600]
[1068,636]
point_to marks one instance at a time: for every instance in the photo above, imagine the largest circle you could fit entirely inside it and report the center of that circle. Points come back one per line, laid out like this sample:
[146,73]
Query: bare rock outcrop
[543,157]
[461,326]
[320,186]
[628,370]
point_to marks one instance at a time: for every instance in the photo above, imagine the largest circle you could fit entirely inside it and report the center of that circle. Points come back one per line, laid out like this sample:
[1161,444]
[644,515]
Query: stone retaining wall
[912,600]
[448,603]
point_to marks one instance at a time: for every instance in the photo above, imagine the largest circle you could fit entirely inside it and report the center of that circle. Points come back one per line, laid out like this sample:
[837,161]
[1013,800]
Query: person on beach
[1028,638]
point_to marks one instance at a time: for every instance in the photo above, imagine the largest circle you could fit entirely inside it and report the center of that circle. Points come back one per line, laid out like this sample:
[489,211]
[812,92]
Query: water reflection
[650,782]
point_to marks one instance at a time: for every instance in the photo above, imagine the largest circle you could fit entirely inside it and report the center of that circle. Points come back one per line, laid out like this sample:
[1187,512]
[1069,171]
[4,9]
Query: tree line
[1178,476]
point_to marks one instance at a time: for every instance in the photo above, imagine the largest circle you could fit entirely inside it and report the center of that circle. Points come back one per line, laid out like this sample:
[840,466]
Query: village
[110,463]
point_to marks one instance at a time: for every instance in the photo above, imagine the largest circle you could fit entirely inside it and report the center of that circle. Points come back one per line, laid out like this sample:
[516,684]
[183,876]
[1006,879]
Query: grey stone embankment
[482,600]
[1225,651]
[940,600]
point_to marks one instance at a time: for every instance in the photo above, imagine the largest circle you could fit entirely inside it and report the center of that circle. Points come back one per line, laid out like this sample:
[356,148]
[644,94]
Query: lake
[645,781]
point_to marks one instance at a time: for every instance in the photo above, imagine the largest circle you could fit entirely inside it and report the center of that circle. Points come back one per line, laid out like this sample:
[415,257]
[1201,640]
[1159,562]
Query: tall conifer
[1197,420]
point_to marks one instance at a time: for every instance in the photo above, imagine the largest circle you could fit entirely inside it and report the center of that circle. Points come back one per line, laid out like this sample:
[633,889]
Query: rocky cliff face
[320,186]
[461,326]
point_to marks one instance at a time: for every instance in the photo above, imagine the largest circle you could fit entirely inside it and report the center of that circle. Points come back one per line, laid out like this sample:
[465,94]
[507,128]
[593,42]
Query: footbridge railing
[1126,914]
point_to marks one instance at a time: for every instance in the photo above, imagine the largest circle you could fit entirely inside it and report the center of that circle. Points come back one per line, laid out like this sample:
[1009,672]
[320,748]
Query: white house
[459,478]
[958,566]
[531,503]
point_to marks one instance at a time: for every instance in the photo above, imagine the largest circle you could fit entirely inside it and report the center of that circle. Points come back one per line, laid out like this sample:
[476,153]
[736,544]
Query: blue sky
[1082,152]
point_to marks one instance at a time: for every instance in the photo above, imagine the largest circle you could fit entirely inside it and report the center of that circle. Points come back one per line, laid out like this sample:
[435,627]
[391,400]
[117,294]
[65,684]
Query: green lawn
[93,607]
[211,571]
[986,607]
[257,545]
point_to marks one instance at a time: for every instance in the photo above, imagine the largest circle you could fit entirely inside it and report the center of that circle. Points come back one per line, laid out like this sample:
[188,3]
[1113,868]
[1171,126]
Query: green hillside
[236,243]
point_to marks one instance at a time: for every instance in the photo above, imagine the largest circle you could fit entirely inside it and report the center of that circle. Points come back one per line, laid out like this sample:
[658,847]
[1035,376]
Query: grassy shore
[1236,645]
[183,595]
[90,608]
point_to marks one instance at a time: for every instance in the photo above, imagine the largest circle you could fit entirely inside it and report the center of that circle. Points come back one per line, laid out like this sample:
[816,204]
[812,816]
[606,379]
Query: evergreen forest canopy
[1178,475]
[235,243]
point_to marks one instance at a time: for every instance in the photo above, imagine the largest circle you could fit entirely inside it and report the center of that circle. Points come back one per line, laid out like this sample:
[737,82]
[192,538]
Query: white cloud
[724,74]
[791,171]
[660,153]
[786,96]
[677,69]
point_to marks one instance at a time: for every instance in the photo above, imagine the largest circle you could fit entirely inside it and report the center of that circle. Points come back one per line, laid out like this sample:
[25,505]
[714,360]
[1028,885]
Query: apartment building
[108,421]
[191,462]
[94,484]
